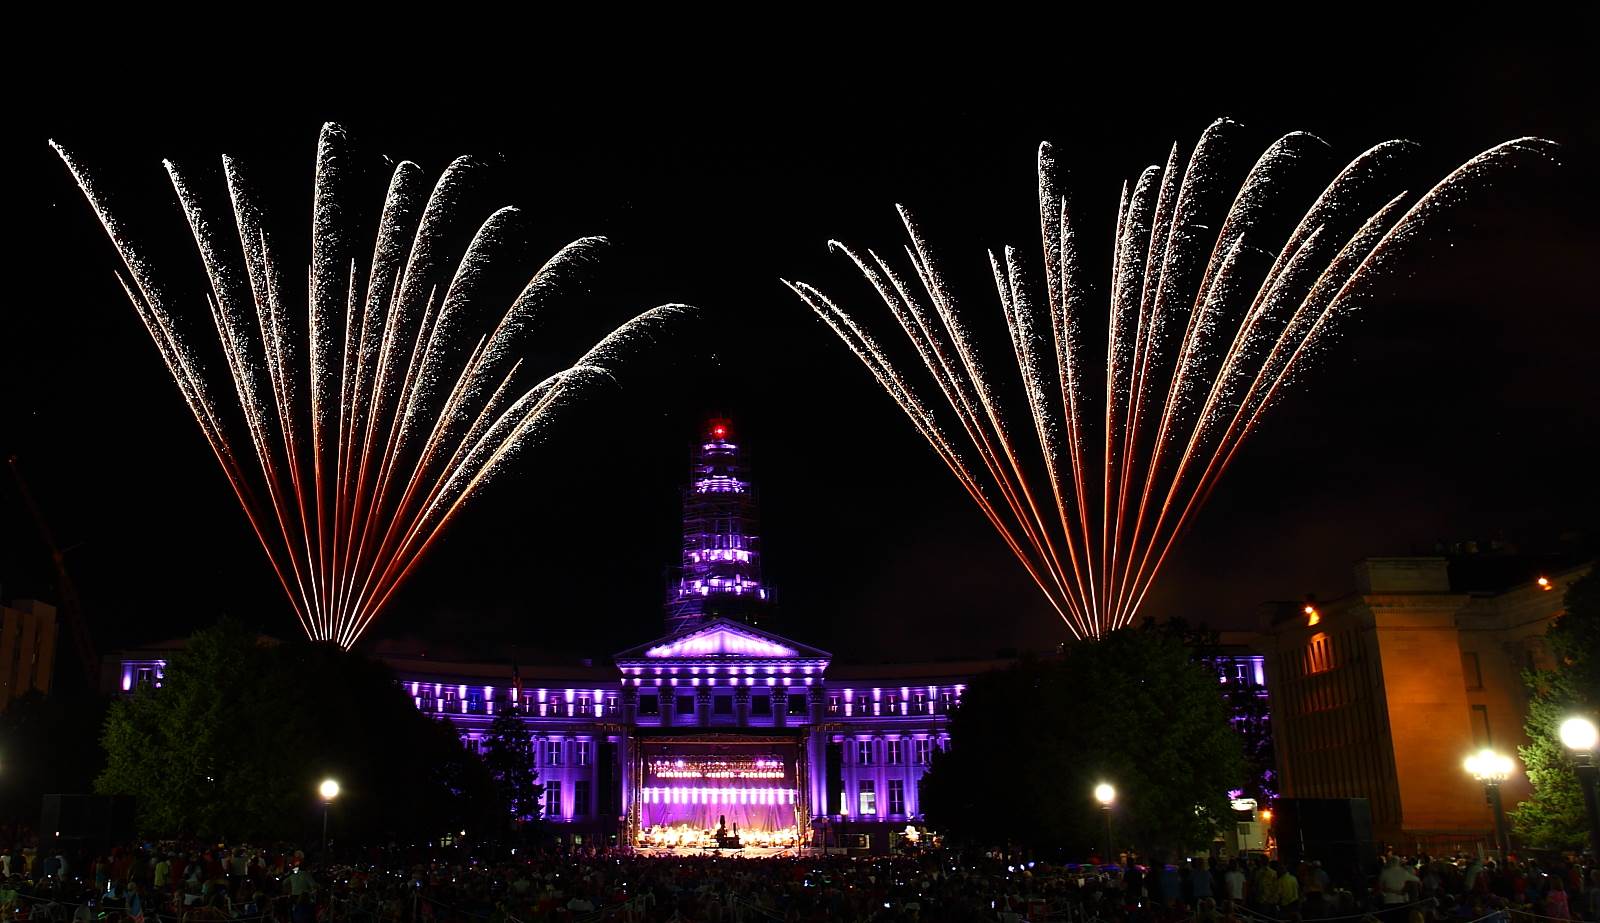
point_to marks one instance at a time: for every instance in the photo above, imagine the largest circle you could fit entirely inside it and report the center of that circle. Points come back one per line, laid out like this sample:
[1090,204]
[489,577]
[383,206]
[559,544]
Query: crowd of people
[172,884]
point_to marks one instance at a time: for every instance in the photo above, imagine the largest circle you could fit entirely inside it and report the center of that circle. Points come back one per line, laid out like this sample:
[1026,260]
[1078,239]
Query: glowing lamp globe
[1489,766]
[1105,794]
[1579,734]
[329,789]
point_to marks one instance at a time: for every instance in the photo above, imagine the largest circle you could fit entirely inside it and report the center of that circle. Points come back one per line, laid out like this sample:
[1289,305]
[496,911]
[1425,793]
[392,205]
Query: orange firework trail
[371,411]
[1208,323]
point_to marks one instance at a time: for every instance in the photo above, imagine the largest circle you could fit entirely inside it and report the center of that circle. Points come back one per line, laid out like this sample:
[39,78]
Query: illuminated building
[720,574]
[1241,672]
[720,717]
[1381,694]
[27,649]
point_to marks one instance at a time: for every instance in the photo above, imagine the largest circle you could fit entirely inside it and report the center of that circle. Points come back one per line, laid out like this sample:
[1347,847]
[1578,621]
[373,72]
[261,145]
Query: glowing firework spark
[369,412]
[1207,325]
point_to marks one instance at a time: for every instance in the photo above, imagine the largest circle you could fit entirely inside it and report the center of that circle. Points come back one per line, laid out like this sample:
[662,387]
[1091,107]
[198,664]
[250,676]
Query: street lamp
[329,790]
[1580,736]
[1105,794]
[1491,769]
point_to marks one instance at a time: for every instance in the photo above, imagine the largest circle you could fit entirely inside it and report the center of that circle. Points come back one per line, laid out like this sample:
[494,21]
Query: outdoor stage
[719,793]
[747,852]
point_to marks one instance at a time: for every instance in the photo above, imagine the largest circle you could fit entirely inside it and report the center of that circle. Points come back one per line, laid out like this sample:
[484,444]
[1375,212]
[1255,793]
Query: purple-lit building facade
[716,720]
[719,720]
[1242,674]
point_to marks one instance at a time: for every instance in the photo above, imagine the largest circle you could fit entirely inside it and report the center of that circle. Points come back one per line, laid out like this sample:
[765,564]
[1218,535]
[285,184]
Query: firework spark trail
[371,413]
[1207,324]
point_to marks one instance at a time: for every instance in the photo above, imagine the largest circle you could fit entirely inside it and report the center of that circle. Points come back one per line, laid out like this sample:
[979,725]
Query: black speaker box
[1335,831]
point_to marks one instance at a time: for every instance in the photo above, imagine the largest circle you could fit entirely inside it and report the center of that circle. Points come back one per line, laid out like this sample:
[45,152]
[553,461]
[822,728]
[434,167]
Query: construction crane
[71,611]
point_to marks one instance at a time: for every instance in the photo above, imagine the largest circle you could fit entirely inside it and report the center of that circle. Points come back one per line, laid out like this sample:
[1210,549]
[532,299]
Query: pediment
[722,640]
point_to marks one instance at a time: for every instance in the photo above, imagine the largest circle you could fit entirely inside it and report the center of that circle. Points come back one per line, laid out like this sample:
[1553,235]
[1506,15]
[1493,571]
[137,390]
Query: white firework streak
[1200,341]
[369,418]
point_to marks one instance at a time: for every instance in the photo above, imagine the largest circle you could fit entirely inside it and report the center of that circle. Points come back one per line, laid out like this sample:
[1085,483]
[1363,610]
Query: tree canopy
[1133,709]
[236,739]
[1554,816]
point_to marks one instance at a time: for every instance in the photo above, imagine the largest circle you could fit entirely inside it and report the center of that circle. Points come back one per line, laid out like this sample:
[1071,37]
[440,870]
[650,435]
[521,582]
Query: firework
[1207,324]
[362,409]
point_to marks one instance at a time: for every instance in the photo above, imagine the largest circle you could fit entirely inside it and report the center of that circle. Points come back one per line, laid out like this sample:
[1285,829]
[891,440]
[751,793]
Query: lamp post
[1579,735]
[329,790]
[1491,769]
[1105,794]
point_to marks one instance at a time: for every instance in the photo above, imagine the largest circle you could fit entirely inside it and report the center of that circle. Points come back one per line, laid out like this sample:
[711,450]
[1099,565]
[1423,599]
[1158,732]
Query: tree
[185,750]
[1554,816]
[509,759]
[235,741]
[1030,743]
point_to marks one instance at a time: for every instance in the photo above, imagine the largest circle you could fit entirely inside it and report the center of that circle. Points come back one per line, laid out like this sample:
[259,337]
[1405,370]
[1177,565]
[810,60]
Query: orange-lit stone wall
[1382,694]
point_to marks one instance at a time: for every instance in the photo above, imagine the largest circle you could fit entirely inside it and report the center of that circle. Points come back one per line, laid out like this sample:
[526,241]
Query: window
[584,747]
[868,802]
[761,705]
[897,796]
[552,799]
[583,704]
[685,704]
[1480,726]
[1319,654]
[649,705]
[864,752]
[580,798]
[722,705]
[552,752]
[891,704]
[553,707]
[892,755]
[835,705]
[947,700]
[919,703]
[924,750]
[797,704]
[1470,670]
[611,703]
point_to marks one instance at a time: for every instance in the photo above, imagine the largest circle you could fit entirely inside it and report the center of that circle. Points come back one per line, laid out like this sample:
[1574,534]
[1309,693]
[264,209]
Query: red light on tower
[719,429]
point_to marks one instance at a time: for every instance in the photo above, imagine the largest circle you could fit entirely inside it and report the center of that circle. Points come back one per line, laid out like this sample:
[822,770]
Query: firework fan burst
[1215,307]
[357,408]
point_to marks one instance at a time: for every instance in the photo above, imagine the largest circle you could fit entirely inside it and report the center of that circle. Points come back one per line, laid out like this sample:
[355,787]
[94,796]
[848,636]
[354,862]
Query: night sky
[1461,405]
